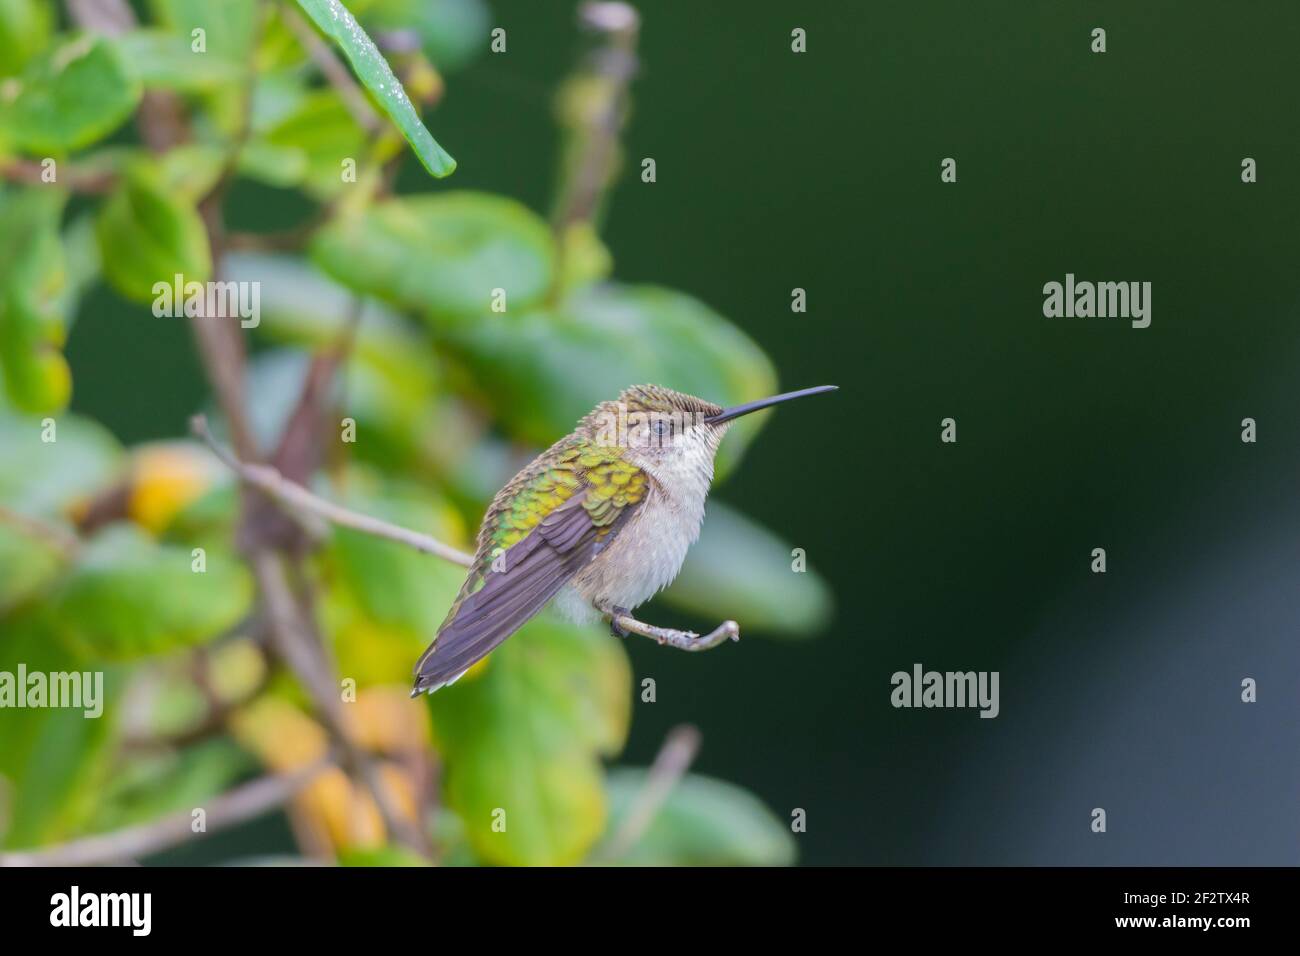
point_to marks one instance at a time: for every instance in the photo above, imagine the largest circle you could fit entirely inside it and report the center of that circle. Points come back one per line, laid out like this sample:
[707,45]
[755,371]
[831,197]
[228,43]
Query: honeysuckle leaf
[307,146]
[165,59]
[33,282]
[46,466]
[452,254]
[341,27]
[388,598]
[28,562]
[521,741]
[223,31]
[703,822]
[69,97]
[25,29]
[149,234]
[128,596]
[54,760]
[740,570]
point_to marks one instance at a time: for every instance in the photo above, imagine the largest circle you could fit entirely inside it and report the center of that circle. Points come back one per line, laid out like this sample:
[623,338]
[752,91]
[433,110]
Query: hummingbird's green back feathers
[540,530]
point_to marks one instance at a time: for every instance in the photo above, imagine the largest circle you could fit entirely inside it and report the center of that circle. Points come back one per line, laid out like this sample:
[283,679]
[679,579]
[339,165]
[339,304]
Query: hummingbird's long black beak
[727,414]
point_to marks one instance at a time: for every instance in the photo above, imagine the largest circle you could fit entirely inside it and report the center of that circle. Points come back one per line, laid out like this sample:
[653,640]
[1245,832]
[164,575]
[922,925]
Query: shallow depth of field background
[821,171]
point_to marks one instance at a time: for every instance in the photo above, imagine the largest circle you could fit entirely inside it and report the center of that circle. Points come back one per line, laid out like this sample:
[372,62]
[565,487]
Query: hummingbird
[599,522]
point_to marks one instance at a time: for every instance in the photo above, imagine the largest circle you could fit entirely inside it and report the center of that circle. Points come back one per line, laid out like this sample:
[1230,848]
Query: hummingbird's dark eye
[662,428]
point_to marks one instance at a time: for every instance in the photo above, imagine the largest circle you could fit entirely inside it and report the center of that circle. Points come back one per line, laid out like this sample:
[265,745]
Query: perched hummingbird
[600,521]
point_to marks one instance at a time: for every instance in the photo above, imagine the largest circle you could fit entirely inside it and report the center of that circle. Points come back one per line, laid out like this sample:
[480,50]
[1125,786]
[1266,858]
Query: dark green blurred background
[821,171]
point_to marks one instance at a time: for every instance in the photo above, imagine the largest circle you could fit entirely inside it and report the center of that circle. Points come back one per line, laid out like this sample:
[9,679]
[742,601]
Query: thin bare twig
[79,180]
[60,538]
[237,806]
[296,497]
[594,133]
[682,640]
[670,765]
[109,17]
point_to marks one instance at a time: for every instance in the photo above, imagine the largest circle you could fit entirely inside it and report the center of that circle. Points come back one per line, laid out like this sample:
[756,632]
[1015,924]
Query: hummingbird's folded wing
[519,582]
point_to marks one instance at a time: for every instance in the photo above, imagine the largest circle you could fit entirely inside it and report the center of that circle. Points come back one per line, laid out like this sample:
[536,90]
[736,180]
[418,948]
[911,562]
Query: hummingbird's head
[671,433]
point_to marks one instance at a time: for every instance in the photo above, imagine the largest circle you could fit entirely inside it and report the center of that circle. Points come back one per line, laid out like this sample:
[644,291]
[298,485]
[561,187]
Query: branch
[238,806]
[55,535]
[298,498]
[109,17]
[302,501]
[31,173]
[593,132]
[682,640]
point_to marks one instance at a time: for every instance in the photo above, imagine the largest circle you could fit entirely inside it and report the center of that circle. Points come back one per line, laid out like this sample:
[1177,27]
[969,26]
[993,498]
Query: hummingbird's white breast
[649,550]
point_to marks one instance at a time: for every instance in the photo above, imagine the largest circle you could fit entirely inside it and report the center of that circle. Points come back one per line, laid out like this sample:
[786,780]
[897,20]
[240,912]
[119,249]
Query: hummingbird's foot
[622,623]
[615,628]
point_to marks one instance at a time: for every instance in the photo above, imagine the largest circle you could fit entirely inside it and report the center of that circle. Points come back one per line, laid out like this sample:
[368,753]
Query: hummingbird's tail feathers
[417,690]
[516,587]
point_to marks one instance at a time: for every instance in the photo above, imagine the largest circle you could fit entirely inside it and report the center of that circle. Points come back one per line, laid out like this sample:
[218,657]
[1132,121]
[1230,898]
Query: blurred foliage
[703,822]
[124,561]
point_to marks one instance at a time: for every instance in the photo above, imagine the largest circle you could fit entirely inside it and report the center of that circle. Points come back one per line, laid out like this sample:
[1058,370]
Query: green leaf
[25,27]
[128,596]
[307,147]
[542,370]
[186,172]
[390,401]
[390,377]
[337,23]
[152,785]
[42,478]
[54,761]
[302,307]
[228,26]
[704,822]
[164,59]
[81,259]
[147,235]
[28,562]
[444,253]
[380,856]
[740,570]
[33,280]
[70,97]
[396,597]
[523,738]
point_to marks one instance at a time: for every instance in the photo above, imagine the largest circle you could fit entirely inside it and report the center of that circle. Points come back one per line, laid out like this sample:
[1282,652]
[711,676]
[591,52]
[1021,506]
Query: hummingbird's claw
[614,627]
